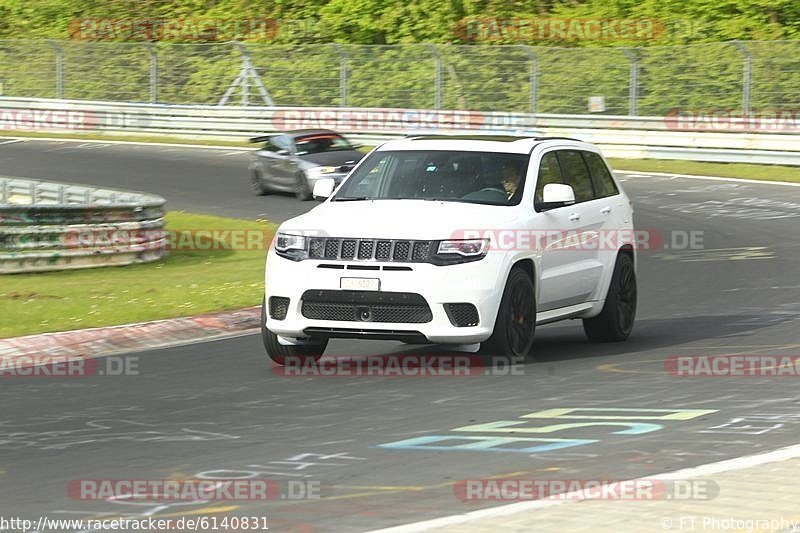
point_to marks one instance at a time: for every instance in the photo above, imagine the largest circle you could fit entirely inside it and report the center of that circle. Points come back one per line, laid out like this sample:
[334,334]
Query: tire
[516,318]
[615,321]
[257,184]
[278,352]
[302,191]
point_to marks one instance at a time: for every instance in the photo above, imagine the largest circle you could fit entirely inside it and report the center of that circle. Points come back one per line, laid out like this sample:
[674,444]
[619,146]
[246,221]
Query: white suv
[453,240]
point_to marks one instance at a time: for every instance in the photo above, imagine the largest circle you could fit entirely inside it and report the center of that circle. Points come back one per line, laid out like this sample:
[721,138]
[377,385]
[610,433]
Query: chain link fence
[748,77]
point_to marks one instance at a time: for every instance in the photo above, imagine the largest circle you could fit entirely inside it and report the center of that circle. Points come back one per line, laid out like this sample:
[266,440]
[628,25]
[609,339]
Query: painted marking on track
[615,367]
[11,141]
[739,463]
[712,178]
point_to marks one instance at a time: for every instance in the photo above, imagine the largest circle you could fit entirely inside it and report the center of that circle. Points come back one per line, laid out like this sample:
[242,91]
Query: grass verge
[725,170]
[188,282]
[144,139]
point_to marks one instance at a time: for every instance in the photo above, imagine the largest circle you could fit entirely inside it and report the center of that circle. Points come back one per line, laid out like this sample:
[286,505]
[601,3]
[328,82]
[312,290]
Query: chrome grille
[365,249]
[420,252]
[401,249]
[331,248]
[348,249]
[383,251]
[397,250]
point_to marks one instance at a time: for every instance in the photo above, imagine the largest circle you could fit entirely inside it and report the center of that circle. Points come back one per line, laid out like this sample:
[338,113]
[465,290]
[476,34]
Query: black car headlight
[455,251]
[294,247]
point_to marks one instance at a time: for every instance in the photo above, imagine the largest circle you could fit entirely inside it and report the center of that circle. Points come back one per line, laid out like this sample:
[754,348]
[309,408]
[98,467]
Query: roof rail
[558,139]
[467,137]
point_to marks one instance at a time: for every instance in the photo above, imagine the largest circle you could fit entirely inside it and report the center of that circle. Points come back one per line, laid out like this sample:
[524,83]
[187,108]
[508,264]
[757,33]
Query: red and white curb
[126,338]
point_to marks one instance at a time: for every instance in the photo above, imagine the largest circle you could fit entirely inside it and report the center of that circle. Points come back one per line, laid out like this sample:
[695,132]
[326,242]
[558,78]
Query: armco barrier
[58,226]
[619,136]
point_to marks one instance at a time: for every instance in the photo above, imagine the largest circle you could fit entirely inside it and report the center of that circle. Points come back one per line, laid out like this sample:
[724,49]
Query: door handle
[574,217]
[606,210]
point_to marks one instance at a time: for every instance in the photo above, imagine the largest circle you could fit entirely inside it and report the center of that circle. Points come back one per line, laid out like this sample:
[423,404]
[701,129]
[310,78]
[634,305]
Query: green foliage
[399,21]
[300,65]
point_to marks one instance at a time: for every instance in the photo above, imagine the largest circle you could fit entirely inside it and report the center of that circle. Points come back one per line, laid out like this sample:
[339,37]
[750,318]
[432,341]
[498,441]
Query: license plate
[360,284]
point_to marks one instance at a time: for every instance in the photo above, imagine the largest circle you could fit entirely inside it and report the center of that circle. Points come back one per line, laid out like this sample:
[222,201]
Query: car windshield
[452,176]
[321,142]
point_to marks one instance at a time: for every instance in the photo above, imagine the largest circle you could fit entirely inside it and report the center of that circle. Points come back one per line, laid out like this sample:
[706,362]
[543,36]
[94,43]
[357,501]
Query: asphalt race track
[218,410]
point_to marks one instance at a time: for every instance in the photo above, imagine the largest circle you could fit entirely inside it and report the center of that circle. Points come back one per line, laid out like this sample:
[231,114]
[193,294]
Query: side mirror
[323,188]
[557,195]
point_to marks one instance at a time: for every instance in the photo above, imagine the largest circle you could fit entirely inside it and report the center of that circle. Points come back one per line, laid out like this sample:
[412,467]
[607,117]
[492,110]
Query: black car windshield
[321,142]
[453,176]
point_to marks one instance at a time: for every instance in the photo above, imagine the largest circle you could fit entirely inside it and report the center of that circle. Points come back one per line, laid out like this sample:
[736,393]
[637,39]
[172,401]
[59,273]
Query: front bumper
[479,283]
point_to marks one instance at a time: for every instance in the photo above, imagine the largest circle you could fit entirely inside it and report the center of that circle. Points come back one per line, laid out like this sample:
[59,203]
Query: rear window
[321,142]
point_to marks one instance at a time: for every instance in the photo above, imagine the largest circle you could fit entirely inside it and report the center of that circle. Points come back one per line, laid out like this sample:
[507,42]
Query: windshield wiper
[353,199]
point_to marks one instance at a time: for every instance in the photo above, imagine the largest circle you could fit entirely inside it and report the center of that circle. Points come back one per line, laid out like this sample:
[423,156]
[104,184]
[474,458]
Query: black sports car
[293,161]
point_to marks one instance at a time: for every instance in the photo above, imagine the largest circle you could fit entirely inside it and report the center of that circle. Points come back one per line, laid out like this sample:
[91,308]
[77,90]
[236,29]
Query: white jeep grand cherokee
[453,240]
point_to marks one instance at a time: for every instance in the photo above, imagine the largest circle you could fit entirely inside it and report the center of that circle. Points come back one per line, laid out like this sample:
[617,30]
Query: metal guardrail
[59,226]
[619,136]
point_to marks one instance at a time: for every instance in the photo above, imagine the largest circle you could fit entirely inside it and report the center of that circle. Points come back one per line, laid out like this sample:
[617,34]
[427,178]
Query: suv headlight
[291,246]
[456,251]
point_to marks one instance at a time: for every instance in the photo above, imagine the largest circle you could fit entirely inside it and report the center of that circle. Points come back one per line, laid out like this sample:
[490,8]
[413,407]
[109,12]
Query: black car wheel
[279,353]
[615,321]
[302,190]
[516,318]
[257,184]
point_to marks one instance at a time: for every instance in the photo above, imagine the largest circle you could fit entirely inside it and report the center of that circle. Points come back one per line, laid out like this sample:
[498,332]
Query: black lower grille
[366,306]
[278,307]
[462,315]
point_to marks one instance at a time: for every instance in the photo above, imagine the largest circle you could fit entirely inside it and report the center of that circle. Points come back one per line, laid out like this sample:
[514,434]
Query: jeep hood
[400,219]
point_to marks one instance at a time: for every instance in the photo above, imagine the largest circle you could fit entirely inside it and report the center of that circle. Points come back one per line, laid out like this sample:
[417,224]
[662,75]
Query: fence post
[343,74]
[747,75]
[633,87]
[245,86]
[534,77]
[59,68]
[437,95]
[153,73]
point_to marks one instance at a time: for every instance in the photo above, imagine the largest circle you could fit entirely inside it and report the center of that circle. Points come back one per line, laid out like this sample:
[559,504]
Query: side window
[549,172]
[601,177]
[279,142]
[576,174]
